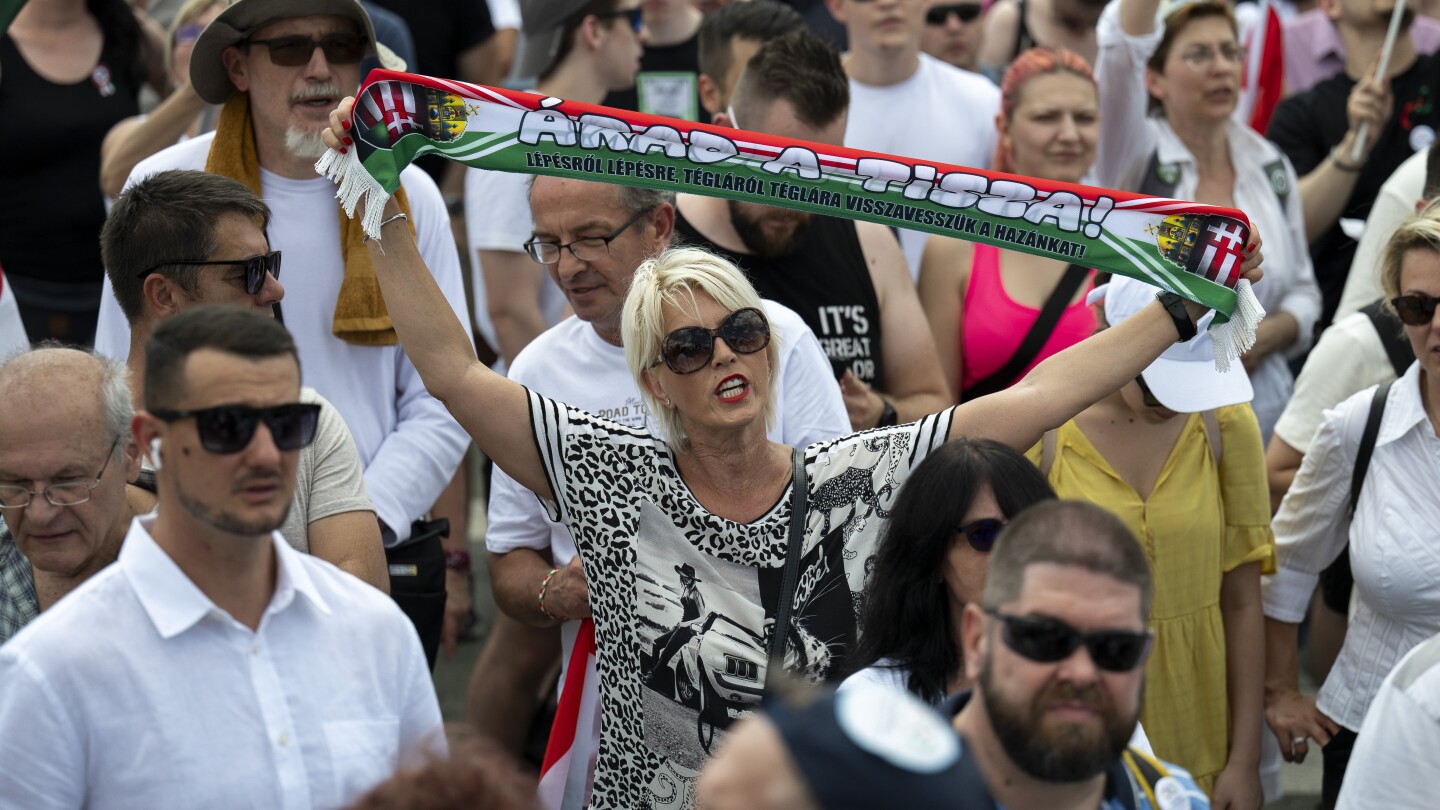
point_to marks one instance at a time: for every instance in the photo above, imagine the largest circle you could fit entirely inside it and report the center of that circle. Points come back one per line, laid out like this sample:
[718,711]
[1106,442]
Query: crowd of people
[781,509]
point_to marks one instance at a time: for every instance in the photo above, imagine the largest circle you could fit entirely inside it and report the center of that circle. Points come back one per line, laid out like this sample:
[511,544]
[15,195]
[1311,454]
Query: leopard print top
[669,687]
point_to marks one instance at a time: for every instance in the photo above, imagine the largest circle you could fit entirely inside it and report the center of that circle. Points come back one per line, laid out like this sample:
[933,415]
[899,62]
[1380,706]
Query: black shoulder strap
[1367,443]
[1279,180]
[1392,335]
[1034,340]
[798,505]
[1158,180]
[146,481]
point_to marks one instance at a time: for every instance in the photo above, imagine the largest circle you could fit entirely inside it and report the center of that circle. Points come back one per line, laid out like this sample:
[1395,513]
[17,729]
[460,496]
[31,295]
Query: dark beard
[1072,754]
[762,244]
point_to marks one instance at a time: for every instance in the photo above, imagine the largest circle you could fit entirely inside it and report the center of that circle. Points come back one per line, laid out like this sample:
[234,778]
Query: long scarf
[360,314]
[1187,248]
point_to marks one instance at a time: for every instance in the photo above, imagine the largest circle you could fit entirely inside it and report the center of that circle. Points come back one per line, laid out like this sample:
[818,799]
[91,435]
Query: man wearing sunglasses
[952,33]
[212,661]
[279,67]
[846,279]
[580,50]
[65,459]
[182,239]
[1057,653]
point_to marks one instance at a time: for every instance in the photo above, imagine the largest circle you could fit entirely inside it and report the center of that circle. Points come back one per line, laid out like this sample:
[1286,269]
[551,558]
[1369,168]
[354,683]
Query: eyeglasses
[591,249]
[255,268]
[635,15]
[939,15]
[340,49]
[1049,641]
[982,533]
[1415,309]
[1201,57]
[71,494]
[229,428]
[690,348]
[1149,396]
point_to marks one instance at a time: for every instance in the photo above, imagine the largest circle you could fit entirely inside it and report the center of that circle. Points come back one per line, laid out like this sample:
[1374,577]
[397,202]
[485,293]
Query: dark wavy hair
[907,604]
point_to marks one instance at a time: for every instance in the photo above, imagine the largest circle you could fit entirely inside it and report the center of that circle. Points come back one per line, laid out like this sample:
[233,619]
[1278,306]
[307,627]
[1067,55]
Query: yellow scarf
[360,314]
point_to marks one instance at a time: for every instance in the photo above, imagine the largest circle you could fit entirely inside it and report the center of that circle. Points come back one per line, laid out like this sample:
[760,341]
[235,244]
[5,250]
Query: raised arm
[1126,38]
[493,410]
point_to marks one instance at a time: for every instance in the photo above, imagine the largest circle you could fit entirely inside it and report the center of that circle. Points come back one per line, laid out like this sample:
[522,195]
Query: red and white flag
[1264,77]
[393,105]
[569,764]
[12,331]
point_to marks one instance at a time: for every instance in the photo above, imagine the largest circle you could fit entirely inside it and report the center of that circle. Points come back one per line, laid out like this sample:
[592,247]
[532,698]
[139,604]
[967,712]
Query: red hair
[1039,61]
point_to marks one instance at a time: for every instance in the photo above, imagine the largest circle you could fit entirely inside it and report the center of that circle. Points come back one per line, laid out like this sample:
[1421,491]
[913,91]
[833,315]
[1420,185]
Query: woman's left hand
[337,136]
[1238,788]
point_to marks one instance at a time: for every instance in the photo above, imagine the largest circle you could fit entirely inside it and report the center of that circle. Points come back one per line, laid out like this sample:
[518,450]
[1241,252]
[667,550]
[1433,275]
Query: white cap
[1184,378]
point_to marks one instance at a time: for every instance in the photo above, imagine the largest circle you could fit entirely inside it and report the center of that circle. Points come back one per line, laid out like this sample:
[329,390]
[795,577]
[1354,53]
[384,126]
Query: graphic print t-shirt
[667,697]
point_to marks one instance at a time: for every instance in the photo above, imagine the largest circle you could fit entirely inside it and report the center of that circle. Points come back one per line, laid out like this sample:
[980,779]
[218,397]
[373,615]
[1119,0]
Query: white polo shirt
[137,691]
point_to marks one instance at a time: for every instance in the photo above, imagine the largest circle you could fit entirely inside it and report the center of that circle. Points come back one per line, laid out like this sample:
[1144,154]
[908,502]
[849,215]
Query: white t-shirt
[408,442]
[137,689]
[1349,357]
[1399,738]
[947,115]
[497,217]
[571,363]
[1393,205]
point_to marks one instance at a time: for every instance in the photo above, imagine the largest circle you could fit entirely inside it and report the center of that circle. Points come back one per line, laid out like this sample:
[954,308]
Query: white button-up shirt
[137,691]
[1394,540]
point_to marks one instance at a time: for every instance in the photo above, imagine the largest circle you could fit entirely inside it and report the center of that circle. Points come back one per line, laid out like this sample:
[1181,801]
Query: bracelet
[540,597]
[1175,306]
[457,559]
[888,416]
[401,215]
[1348,168]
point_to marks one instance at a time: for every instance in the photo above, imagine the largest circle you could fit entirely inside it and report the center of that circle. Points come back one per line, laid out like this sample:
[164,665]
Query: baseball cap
[1184,378]
[207,70]
[543,22]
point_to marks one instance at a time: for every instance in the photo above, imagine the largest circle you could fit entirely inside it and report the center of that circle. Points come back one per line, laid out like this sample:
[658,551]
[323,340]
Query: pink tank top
[994,324]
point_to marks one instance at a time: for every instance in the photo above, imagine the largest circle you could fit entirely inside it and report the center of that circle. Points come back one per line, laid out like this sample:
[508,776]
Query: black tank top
[827,282]
[51,206]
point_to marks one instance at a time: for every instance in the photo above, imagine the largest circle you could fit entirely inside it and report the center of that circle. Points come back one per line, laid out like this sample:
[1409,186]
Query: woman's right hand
[337,136]
[1295,720]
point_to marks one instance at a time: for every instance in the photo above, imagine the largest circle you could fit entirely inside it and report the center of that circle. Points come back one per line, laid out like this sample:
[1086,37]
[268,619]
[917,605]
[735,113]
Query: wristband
[888,417]
[540,597]
[457,559]
[1175,305]
[1348,168]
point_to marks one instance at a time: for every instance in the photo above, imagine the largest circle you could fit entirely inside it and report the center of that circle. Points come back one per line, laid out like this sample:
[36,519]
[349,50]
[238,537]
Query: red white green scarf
[1187,248]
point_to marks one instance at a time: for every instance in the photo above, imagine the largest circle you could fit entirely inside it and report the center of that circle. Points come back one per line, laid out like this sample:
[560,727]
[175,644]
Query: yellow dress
[1199,523]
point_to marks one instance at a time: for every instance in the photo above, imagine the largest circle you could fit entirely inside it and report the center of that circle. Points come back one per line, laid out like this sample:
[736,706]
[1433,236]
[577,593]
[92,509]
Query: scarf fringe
[355,183]
[1235,337]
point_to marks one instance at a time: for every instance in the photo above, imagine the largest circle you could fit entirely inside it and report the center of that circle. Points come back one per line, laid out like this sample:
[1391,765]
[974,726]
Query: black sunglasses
[982,533]
[340,49]
[255,268]
[1147,394]
[1415,309]
[938,15]
[1049,641]
[229,428]
[690,348]
[636,16]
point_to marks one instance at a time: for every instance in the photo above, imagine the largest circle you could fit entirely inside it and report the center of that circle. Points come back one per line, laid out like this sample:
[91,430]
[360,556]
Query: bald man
[66,455]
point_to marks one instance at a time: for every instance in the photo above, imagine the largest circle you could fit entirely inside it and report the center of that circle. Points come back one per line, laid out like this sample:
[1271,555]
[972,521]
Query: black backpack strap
[1367,443]
[798,505]
[1034,340]
[1279,180]
[1160,179]
[1392,335]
